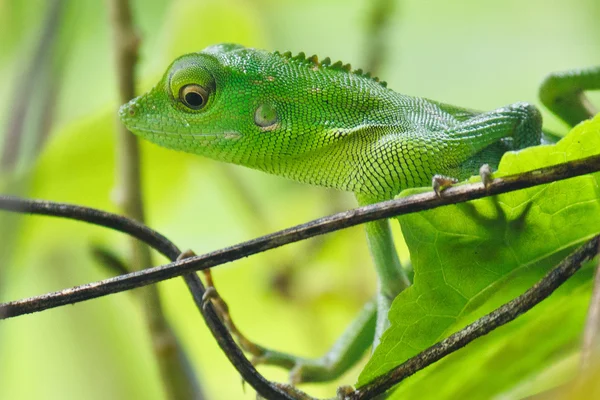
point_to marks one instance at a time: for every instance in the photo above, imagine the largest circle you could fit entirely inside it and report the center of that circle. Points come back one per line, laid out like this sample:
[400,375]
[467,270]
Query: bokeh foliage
[470,53]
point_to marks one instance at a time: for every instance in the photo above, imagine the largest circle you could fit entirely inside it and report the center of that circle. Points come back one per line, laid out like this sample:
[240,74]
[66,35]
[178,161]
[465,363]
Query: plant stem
[176,372]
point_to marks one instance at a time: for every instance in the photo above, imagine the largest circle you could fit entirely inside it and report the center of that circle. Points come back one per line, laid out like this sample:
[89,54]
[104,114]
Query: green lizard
[324,124]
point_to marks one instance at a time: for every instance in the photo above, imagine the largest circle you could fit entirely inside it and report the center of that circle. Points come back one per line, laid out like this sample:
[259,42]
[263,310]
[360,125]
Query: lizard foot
[295,375]
[441,182]
[344,391]
[186,254]
[295,365]
[485,173]
[292,391]
[211,295]
[301,369]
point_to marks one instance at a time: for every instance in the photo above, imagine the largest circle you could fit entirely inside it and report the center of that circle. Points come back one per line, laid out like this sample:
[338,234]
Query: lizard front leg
[392,277]
[478,143]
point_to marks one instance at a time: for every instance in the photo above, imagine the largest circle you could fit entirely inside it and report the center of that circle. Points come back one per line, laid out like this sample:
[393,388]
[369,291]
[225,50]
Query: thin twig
[250,206]
[484,325]
[179,378]
[220,332]
[386,209]
[126,43]
[169,250]
[591,334]
[235,355]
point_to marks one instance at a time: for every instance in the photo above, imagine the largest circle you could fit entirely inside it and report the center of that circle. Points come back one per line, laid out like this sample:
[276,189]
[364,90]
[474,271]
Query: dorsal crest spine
[313,61]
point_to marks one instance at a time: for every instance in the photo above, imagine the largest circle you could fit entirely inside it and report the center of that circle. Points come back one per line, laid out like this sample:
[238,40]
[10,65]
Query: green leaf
[470,258]
[536,351]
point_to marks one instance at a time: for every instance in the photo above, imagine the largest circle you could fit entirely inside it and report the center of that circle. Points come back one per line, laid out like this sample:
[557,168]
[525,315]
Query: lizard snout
[128,110]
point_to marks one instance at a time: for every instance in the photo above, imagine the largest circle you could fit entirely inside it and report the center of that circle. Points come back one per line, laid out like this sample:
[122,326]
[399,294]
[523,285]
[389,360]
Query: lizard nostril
[128,109]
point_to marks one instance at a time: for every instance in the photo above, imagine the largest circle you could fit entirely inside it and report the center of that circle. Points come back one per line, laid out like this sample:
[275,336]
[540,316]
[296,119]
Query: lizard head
[268,111]
[194,107]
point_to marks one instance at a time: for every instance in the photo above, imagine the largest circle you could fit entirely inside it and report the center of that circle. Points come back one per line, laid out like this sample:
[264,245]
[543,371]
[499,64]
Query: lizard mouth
[145,131]
[127,114]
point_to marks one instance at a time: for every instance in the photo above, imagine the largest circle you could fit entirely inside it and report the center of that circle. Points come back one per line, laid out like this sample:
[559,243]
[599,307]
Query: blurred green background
[59,91]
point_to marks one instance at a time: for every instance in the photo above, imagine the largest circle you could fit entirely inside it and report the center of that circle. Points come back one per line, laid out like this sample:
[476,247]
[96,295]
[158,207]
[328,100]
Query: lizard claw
[485,172]
[441,182]
[186,254]
[295,376]
[343,392]
[210,294]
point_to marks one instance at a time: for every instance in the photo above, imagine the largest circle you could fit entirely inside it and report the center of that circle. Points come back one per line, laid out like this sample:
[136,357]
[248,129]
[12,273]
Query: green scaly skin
[324,124]
[321,124]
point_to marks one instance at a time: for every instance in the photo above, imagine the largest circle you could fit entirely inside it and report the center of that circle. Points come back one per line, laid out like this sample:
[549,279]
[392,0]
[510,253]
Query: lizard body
[326,124]
[320,123]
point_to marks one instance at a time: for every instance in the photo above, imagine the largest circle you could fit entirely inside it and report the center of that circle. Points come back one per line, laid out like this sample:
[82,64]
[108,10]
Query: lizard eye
[193,96]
